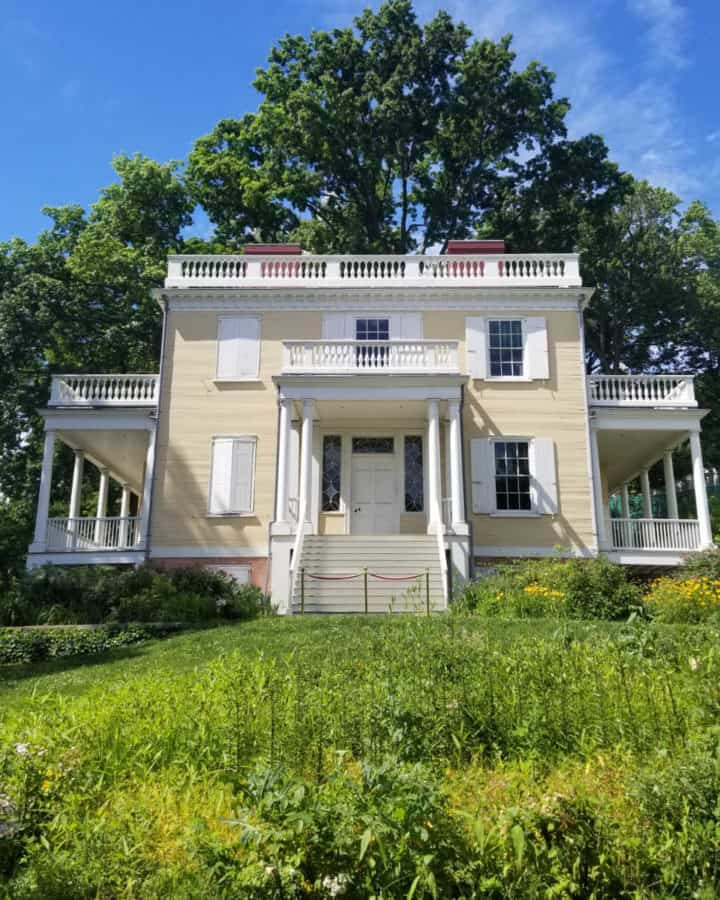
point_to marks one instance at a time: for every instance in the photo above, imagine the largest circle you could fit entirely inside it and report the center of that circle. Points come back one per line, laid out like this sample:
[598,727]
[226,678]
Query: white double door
[373,507]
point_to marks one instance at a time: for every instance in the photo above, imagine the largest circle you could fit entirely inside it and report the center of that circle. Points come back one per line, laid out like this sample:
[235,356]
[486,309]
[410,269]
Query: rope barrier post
[427,591]
[365,574]
[302,590]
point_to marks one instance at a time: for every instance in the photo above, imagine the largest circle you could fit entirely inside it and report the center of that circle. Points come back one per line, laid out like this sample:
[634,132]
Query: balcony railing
[491,270]
[655,534]
[370,356]
[92,533]
[104,390]
[641,390]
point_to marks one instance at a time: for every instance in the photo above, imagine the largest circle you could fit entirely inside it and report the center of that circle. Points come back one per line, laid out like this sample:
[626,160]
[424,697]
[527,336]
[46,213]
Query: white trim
[648,557]
[412,297]
[112,419]
[588,440]
[650,419]
[83,558]
[206,552]
[314,391]
[507,551]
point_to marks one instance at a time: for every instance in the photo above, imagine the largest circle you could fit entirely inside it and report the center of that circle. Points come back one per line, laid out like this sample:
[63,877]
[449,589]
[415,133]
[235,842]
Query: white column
[602,531]
[456,473]
[625,498]
[646,495]
[100,524]
[670,491]
[124,515]
[701,500]
[144,502]
[434,514]
[76,489]
[306,442]
[281,508]
[39,544]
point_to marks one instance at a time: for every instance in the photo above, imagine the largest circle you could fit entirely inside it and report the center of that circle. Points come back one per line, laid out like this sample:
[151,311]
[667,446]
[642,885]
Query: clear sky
[82,80]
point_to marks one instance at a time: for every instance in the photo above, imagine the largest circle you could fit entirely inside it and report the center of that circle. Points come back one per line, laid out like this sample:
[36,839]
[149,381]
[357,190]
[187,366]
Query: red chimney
[272,250]
[455,248]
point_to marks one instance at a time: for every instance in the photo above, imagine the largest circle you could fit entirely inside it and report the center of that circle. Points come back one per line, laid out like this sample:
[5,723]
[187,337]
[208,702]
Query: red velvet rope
[332,577]
[396,577]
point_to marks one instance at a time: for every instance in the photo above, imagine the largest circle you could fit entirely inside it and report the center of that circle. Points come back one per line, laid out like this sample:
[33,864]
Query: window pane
[332,457]
[373,445]
[505,346]
[414,492]
[512,475]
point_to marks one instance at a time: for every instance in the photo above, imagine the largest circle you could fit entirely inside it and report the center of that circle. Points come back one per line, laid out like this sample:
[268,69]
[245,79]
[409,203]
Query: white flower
[335,886]
[694,663]
[22,749]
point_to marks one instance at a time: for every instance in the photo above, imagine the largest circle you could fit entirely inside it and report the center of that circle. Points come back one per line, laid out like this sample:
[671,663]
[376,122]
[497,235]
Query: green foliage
[36,645]
[392,135]
[356,757]
[578,588]
[705,564]
[93,594]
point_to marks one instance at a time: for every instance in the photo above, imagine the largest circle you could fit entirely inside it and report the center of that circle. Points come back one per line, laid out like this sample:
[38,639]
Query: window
[512,475]
[414,488]
[232,476]
[373,445]
[238,354]
[331,469]
[370,355]
[505,345]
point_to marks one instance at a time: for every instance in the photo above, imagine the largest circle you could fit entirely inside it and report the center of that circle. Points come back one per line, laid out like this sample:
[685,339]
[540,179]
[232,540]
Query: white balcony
[93,534]
[641,390]
[677,535]
[370,357]
[491,270]
[104,390]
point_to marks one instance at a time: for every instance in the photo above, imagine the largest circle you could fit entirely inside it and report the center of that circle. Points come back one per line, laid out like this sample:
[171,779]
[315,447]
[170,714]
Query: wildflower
[335,886]
[694,663]
[22,749]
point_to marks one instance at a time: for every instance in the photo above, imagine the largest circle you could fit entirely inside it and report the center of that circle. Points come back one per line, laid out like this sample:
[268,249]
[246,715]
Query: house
[347,429]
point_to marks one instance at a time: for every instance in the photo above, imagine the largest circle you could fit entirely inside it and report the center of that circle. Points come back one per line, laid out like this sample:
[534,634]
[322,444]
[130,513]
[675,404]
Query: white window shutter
[536,348]
[334,327]
[238,347]
[243,467]
[221,476]
[476,346]
[544,479]
[410,327]
[482,463]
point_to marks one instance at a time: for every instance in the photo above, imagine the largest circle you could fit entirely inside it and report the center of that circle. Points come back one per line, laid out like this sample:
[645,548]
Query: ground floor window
[512,475]
[414,487]
[331,472]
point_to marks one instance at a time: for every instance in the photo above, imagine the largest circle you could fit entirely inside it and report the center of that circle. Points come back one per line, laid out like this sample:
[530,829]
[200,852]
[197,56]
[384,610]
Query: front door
[373,491]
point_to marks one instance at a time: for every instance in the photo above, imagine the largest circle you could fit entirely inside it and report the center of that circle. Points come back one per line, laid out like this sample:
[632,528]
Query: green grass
[450,756]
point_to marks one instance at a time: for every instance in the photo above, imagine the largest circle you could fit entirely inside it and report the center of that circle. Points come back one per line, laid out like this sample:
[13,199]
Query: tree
[390,136]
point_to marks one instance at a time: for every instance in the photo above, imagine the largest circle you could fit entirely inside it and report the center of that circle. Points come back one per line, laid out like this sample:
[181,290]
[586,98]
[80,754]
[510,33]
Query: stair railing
[296,553]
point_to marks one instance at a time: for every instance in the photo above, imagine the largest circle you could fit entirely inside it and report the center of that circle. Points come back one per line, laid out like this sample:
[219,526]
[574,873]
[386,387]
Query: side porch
[109,423]
[636,423]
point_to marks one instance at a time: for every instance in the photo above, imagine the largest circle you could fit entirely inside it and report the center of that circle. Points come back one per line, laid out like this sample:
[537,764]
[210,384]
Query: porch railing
[91,533]
[655,534]
[104,390]
[490,270]
[641,390]
[371,356]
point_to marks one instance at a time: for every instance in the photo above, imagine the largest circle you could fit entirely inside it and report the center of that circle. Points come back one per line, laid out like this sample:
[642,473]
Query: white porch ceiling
[624,452]
[122,452]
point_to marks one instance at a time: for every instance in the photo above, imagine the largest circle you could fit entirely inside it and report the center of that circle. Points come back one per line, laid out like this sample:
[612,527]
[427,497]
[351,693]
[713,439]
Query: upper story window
[372,330]
[238,348]
[505,346]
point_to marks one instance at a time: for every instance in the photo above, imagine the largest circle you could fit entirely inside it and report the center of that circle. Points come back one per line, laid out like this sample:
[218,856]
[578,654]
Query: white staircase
[332,556]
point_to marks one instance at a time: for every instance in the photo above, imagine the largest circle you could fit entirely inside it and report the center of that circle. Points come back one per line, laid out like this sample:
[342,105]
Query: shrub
[690,600]
[579,588]
[35,645]
[706,564]
[95,594]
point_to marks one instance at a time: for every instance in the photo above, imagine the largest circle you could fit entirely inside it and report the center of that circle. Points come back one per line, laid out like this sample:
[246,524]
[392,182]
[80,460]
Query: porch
[108,421]
[636,422]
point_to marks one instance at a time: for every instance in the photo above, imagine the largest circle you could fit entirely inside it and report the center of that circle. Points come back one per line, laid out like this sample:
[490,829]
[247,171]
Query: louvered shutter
[407,327]
[221,476]
[243,467]
[334,327]
[476,346]
[238,347]
[544,479]
[536,348]
[482,465]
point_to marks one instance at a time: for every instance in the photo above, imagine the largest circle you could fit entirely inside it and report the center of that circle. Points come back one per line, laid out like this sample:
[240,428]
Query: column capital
[79,454]
[286,402]
[308,407]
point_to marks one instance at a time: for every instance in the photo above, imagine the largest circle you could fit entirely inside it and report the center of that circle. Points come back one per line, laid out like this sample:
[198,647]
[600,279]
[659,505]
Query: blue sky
[84,80]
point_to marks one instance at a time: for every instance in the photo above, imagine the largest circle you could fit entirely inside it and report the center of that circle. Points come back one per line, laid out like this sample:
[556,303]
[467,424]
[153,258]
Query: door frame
[397,475]
[347,433]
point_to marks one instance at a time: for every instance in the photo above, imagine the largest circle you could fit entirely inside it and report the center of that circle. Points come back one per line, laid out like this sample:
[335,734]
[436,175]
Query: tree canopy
[388,136]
